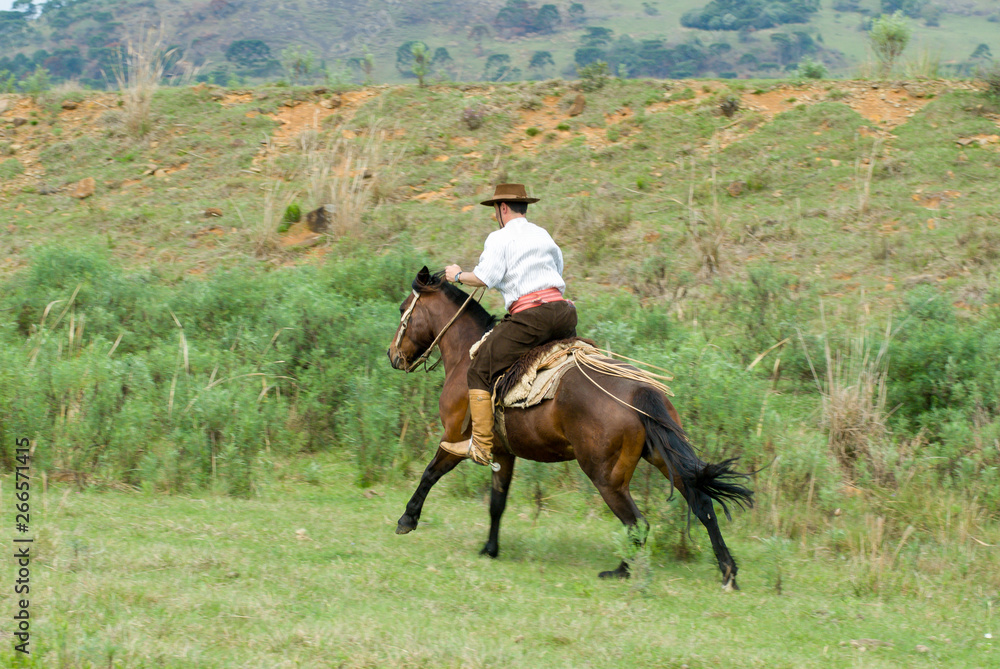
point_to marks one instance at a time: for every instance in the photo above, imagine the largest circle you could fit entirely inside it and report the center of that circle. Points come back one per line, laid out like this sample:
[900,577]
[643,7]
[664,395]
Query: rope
[612,369]
[600,366]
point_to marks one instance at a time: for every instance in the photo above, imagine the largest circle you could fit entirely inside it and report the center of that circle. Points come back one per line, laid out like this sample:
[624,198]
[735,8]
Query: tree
[811,69]
[248,53]
[588,54]
[911,8]
[888,38]
[297,63]
[596,36]
[547,19]
[404,57]
[421,66]
[442,61]
[541,60]
[498,67]
[757,14]
[368,67]
[518,16]
[26,7]
[576,13]
[981,52]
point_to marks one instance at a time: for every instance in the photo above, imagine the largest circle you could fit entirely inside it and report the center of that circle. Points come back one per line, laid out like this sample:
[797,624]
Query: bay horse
[582,422]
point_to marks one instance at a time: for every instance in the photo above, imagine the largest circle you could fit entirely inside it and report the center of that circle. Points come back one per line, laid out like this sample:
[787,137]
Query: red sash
[536,298]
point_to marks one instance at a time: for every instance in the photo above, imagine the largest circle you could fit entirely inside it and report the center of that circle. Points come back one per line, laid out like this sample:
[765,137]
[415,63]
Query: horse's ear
[424,276]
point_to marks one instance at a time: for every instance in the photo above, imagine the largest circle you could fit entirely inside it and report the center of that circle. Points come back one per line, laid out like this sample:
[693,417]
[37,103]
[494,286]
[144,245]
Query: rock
[321,90]
[238,142]
[917,90]
[217,95]
[3,106]
[736,188]
[331,103]
[46,189]
[212,212]
[160,172]
[579,104]
[69,104]
[18,121]
[84,188]
[319,220]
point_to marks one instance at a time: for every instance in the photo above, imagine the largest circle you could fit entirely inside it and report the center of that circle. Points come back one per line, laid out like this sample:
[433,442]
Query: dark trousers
[517,334]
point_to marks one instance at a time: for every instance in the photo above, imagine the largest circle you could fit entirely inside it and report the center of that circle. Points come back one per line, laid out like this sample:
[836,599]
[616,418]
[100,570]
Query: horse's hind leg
[612,480]
[623,506]
[701,506]
[442,463]
[498,500]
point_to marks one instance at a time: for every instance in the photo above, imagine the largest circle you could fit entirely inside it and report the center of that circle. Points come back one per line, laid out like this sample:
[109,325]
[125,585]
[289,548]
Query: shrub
[293,213]
[593,76]
[531,132]
[990,76]
[11,168]
[889,36]
[473,117]
[811,69]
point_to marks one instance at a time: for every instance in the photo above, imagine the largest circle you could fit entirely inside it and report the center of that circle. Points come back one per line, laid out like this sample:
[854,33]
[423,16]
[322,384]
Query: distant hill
[241,41]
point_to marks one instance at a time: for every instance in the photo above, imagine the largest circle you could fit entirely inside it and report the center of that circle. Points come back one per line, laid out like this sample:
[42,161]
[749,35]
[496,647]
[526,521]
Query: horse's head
[416,327]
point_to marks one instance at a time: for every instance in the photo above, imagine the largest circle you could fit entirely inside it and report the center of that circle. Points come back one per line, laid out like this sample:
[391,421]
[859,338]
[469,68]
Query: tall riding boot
[481,408]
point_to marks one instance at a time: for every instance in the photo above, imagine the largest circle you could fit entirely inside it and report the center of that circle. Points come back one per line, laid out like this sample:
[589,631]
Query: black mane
[438,283]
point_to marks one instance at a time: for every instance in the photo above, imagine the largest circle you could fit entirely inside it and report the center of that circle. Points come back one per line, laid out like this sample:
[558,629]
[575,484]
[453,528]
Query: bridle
[404,321]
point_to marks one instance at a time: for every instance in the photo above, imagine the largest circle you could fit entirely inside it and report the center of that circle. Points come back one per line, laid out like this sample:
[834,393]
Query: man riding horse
[523,262]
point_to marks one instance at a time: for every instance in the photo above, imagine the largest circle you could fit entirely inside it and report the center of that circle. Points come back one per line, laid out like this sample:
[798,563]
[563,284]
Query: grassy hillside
[815,262]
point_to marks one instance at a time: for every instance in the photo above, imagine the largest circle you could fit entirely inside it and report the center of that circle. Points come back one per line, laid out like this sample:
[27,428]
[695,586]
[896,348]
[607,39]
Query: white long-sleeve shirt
[520,258]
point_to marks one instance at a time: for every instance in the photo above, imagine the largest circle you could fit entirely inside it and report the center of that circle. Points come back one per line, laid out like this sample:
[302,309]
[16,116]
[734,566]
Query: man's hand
[468,277]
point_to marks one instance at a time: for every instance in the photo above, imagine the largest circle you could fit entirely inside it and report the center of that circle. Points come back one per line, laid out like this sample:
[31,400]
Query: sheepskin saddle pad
[536,376]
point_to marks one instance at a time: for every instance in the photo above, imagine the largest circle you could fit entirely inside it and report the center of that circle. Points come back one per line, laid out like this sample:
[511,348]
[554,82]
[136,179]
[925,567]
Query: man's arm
[468,278]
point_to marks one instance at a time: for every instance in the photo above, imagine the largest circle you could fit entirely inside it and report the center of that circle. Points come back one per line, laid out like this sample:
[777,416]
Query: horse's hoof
[490,551]
[402,528]
[730,586]
[616,573]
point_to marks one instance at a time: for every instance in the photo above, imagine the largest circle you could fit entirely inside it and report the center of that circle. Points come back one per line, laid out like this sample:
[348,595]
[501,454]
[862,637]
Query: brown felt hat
[509,193]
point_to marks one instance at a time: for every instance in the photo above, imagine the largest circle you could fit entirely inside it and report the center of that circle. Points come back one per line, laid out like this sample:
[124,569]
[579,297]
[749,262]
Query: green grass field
[311,575]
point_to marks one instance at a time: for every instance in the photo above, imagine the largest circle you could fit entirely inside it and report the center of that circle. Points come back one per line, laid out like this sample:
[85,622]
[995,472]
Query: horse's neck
[455,345]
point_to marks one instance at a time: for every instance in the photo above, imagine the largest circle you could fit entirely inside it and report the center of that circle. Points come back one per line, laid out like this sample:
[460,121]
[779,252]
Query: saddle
[536,376]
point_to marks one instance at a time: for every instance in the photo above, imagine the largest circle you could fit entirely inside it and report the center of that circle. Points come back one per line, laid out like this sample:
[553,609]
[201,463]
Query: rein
[404,320]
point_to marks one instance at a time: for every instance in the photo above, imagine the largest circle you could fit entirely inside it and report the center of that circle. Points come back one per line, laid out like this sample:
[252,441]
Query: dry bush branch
[351,177]
[138,71]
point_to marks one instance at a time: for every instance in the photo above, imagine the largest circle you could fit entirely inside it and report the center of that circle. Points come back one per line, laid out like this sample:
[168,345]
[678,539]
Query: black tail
[664,435]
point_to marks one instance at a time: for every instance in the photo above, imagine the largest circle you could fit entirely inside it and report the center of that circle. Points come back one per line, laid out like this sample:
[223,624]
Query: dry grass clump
[350,176]
[876,554]
[138,72]
[263,231]
[853,409]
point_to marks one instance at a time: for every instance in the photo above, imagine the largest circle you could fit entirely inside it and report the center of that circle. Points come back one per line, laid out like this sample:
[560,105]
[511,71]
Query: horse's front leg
[442,463]
[498,500]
